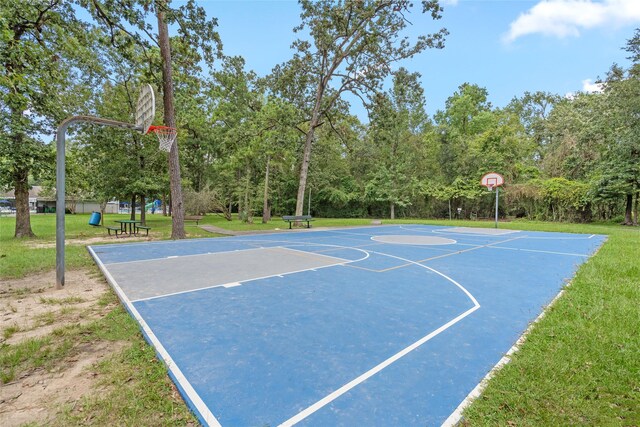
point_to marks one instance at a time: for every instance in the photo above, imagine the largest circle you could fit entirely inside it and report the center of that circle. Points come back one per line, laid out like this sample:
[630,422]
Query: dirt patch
[38,395]
[32,307]
[89,241]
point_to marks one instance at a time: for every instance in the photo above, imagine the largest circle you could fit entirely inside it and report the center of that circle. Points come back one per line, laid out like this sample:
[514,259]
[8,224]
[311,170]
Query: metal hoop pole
[60,182]
[497,192]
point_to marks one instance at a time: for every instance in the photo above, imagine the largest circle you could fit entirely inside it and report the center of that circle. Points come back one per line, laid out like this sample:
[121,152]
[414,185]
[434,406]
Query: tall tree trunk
[23,218]
[308,143]
[132,214]
[103,208]
[393,210]
[164,204]
[266,215]
[143,210]
[628,220]
[177,206]
[248,217]
[635,208]
[304,171]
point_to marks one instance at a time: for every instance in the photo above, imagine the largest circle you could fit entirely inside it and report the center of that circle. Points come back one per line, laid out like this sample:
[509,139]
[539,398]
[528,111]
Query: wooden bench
[299,218]
[114,229]
[195,218]
[142,227]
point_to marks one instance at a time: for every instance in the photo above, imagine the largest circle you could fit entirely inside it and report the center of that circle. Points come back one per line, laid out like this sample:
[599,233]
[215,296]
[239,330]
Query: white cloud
[563,18]
[588,86]
[450,2]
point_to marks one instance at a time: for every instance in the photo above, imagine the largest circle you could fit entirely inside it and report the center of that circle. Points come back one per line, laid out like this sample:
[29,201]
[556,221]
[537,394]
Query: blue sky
[507,46]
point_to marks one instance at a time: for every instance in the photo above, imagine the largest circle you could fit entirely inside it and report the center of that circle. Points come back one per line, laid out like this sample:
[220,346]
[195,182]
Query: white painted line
[538,251]
[560,238]
[232,285]
[175,256]
[353,383]
[456,415]
[192,395]
[345,388]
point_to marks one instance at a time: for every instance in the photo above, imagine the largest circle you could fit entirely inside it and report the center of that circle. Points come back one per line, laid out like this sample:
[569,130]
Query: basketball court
[383,325]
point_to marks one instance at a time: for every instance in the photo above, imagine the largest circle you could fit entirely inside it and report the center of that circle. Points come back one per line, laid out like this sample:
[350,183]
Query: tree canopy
[245,140]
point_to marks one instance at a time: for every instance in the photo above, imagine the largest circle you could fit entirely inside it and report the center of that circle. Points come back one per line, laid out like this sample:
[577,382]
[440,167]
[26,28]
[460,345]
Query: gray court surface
[160,277]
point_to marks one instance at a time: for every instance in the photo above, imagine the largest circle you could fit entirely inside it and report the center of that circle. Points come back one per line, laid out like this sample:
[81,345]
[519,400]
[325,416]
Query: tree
[621,161]
[125,21]
[534,110]
[397,121]
[43,47]
[177,207]
[353,42]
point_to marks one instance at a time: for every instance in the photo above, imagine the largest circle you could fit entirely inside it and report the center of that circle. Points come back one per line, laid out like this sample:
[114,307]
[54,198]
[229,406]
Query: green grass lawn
[580,365]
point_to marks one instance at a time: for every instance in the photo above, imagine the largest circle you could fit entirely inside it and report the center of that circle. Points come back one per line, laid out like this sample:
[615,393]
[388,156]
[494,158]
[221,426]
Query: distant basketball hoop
[491,180]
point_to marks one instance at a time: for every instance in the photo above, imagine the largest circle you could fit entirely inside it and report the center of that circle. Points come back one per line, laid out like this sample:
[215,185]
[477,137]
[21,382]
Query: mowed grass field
[580,365]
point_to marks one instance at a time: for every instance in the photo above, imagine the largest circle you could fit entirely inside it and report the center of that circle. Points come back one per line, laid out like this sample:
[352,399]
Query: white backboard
[145,108]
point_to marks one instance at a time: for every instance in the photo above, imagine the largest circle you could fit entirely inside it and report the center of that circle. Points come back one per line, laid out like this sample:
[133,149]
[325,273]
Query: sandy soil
[32,307]
[90,241]
[37,395]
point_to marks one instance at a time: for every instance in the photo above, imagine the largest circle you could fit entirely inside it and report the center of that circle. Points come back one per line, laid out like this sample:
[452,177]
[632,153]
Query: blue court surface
[377,326]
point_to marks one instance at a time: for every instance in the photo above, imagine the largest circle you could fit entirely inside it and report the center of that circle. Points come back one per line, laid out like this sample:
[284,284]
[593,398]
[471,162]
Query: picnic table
[131,223]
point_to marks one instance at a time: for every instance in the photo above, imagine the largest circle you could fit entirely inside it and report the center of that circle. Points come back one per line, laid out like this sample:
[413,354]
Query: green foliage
[576,366]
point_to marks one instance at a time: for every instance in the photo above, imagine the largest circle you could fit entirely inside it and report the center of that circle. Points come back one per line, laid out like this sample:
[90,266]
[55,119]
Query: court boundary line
[539,251]
[389,361]
[194,398]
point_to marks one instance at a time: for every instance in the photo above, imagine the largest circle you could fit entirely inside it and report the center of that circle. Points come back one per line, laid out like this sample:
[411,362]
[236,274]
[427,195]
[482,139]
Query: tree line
[286,142]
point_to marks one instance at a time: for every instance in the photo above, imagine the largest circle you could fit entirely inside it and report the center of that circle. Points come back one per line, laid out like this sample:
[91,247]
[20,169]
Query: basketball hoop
[491,180]
[166,136]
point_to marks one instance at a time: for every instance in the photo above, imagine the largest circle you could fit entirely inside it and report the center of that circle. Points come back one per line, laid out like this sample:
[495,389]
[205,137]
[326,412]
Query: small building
[41,202]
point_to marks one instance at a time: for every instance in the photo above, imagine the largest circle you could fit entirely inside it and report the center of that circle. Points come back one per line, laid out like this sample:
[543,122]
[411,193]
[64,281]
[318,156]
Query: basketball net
[166,136]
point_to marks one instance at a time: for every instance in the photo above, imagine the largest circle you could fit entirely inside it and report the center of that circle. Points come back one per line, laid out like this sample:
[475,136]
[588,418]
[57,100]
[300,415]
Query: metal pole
[309,204]
[60,183]
[60,205]
[497,192]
